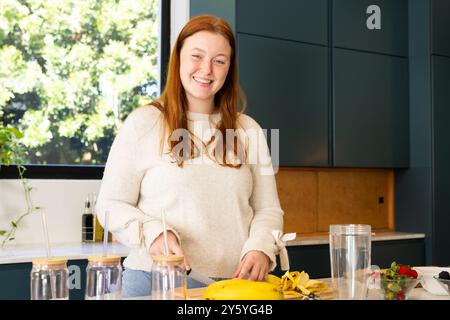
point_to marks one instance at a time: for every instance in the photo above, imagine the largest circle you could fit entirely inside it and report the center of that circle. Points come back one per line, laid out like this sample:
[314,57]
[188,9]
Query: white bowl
[444,282]
[428,281]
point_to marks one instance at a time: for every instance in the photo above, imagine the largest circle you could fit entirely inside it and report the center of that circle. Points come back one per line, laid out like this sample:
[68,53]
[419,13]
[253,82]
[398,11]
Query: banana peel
[298,283]
[273,279]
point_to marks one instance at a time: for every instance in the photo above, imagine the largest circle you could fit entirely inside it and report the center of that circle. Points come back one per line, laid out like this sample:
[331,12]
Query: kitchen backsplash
[311,198]
[315,198]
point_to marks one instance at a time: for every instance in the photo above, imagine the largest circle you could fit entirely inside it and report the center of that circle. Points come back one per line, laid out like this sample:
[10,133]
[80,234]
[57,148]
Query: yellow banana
[293,283]
[221,283]
[242,289]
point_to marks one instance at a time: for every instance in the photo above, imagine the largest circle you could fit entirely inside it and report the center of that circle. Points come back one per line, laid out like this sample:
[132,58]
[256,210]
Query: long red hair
[173,102]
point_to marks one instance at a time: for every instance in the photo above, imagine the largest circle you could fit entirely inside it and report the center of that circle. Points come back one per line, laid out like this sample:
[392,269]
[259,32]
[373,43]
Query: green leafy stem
[11,152]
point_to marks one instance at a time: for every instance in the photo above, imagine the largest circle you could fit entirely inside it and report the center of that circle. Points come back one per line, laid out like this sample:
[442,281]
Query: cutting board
[197,294]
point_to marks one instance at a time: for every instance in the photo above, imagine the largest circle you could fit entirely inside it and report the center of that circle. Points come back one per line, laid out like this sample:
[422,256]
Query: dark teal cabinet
[300,20]
[370,110]
[15,279]
[422,191]
[440,11]
[224,9]
[286,84]
[441,133]
[337,91]
[371,25]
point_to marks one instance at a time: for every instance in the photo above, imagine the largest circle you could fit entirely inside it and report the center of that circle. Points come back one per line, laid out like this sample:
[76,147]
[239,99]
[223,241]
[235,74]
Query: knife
[199,277]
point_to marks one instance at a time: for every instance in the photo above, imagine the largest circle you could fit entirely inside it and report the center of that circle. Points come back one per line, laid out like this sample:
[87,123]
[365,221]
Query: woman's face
[204,64]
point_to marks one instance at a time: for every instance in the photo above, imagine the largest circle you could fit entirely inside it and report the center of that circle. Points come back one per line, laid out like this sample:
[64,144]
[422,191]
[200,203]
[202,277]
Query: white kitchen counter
[418,293]
[71,251]
[74,251]
[307,240]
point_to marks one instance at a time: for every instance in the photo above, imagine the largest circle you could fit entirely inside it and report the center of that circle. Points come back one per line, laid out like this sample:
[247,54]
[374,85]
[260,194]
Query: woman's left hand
[253,266]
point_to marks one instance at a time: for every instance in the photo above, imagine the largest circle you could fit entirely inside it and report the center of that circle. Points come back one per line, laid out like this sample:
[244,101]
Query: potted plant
[12,153]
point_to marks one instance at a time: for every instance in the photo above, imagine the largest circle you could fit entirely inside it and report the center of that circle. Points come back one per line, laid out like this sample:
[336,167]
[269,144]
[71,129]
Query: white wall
[62,200]
[179,15]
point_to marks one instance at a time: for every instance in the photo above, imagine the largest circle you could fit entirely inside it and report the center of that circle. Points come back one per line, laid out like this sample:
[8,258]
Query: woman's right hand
[157,247]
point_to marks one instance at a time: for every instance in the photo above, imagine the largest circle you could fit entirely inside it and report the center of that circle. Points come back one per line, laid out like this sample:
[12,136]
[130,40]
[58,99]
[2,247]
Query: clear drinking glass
[168,278]
[49,279]
[104,278]
[350,254]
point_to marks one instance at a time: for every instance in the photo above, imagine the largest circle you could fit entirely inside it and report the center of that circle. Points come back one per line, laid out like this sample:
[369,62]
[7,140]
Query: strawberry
[400,296]
[404,270]
[397,280]
[413,274]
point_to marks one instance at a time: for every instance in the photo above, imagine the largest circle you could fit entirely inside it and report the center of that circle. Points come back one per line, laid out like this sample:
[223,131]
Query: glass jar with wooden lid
[168,278]
[104,278]
[49,279]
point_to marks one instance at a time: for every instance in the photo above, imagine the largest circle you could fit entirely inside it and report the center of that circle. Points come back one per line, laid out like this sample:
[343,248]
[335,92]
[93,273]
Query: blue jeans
[138,283]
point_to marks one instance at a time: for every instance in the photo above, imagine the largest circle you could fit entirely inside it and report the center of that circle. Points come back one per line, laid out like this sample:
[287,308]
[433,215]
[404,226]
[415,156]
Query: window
[72,70]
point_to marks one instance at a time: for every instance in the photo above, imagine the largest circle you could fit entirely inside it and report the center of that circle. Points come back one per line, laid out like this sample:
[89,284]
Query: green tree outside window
[72,70]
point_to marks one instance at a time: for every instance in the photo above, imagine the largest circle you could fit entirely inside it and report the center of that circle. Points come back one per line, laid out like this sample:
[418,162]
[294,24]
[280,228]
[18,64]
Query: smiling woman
[220,213]
[203,68]
[203,78]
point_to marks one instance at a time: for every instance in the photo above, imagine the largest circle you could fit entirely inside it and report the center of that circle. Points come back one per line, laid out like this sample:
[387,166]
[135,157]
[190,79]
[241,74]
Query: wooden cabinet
[370,109]
[286,84]
[379,26]
[314,198]
[354,197]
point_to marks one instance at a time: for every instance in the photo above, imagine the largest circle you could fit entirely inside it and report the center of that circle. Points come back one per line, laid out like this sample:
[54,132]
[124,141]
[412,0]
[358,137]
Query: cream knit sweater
[218,213]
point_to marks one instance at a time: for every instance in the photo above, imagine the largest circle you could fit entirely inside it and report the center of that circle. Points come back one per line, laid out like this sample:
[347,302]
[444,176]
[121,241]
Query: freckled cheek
[186,76]
[220,80]
[187,70]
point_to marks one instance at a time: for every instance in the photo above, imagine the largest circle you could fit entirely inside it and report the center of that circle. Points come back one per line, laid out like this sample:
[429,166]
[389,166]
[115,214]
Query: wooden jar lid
[50,263]
[169,258]
[105,260]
